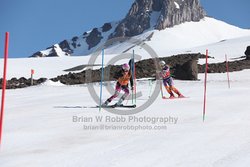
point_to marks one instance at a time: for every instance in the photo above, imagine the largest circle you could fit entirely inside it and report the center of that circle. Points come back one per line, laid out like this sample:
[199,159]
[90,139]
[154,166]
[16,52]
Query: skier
[168,80]
[123,77]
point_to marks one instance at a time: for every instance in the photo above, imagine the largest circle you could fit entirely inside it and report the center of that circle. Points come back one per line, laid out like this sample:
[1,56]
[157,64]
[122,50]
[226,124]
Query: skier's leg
[174,89]
[126,90]
[117,91]
[165,82]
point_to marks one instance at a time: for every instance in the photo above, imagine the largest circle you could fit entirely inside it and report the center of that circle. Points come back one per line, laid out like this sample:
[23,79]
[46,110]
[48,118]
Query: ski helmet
[162,63]
[125,67]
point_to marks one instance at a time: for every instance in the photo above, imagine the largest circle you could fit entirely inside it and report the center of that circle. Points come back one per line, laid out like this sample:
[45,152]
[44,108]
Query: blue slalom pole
[100,103]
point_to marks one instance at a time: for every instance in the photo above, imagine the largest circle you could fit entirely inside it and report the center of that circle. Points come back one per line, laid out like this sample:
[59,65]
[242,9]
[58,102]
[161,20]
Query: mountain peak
[143,15]
[158,14]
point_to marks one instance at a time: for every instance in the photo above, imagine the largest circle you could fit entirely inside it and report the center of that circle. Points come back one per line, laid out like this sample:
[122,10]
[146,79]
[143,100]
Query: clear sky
[35,25]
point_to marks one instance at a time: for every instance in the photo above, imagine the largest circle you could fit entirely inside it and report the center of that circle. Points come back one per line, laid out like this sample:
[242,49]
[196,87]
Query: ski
[168,98]
[120,106]
[127,106]
[97,106]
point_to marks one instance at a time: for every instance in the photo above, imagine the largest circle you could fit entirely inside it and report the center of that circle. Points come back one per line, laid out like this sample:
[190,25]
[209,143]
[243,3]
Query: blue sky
[37,24]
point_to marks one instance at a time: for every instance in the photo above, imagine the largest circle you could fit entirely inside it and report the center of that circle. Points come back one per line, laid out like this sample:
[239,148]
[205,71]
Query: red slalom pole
[4,82]
[227,67]
[205,87]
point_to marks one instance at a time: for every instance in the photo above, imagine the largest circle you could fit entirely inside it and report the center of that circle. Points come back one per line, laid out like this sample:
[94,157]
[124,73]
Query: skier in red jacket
[168,80]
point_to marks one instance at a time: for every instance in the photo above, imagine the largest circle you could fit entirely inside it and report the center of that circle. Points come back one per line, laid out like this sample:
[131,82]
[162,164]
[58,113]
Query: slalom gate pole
[134,75]
[100,102]
[205,87]
[31,76]
[4,83]
[227,67]
[132,71]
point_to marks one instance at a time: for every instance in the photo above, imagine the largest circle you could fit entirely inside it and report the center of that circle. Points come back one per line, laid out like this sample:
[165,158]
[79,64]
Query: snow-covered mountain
[143,16]
[176,26]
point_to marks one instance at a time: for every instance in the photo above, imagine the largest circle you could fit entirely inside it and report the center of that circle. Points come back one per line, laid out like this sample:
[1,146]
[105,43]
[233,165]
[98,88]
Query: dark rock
[74,39]
[37,54]
[53,53]
[157,5]
[221,67]
[106,27]
[187,71]
[247,53]
[94,38]
[189,10]
[64,45]
[74,45]
[22,82]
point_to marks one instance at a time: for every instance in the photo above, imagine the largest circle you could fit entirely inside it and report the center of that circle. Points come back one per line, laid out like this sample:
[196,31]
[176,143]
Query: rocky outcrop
[38,54]
[106,27]
[247,53]
[183,67]
[22,82]
[221,67]
[175,12]
[160,13]
[51,50]
[64,45]
[94,38]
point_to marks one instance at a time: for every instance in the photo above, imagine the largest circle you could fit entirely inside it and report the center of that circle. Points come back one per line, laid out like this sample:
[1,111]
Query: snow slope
[39,129]
[192,37]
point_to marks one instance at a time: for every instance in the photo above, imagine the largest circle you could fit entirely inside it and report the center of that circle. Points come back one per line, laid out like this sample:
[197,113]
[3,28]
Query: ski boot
[105,104]
[119,103]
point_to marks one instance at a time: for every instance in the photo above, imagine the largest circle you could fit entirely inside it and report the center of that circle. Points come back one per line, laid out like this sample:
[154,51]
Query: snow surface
[177,5]
[196,37]
[39,129]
